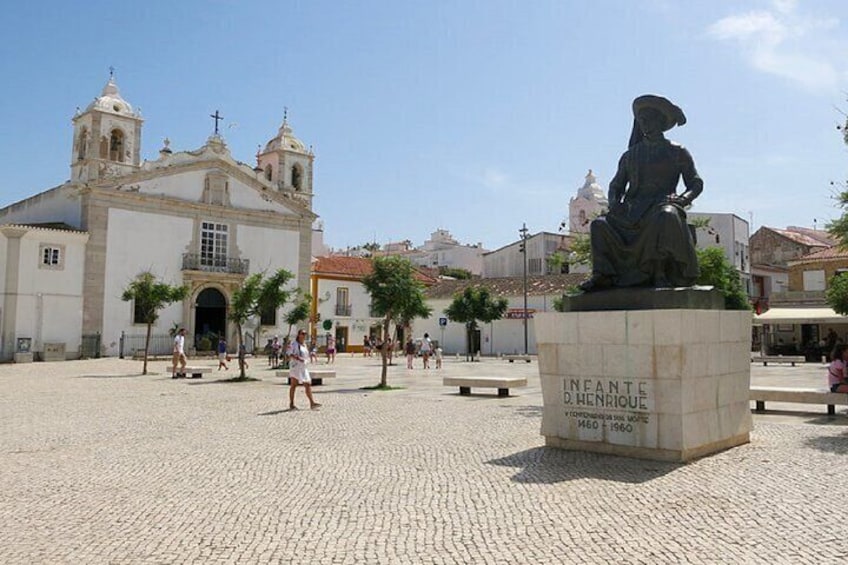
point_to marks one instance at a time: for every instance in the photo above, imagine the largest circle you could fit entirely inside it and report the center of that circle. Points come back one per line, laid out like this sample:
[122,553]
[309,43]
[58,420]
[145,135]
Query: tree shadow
[837,443]
[232,380]
[546,465]
[115,376]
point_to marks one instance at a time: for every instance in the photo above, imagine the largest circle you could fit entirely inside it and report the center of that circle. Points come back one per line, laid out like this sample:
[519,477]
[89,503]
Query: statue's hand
[678,200]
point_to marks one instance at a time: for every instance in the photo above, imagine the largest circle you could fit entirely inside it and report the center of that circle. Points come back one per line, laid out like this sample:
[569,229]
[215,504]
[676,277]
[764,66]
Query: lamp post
[523,250]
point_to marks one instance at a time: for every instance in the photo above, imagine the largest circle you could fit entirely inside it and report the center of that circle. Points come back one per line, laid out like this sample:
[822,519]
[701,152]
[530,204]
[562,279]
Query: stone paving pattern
[99,464]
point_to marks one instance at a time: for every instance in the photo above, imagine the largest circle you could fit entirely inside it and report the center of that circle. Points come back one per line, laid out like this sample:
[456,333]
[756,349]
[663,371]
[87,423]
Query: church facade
[199,218]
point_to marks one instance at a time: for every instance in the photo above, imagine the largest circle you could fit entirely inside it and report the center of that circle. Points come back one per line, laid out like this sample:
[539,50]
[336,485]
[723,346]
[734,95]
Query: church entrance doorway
[210,318]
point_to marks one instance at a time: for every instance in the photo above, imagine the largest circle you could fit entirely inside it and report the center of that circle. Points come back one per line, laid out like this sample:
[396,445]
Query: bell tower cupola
[107,137]
[286,164]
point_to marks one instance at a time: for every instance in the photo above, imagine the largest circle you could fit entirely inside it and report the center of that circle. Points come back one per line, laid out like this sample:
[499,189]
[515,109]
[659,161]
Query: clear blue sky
[474,116]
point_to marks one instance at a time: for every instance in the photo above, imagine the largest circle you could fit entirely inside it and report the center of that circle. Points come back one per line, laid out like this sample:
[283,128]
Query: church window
[269,172]
[583,220]
[116,146]
[138,313]
[213,246]
[268,317]
[296,177]
[51,257]
[83,144]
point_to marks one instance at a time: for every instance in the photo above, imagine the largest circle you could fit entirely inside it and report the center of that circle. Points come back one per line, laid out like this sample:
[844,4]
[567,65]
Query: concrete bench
[512,358]
[766,359]
[317,375]
[763,394]
[195,372]
[503,384]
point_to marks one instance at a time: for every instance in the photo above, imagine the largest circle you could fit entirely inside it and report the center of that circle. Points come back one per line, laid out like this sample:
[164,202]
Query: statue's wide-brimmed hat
[673,114]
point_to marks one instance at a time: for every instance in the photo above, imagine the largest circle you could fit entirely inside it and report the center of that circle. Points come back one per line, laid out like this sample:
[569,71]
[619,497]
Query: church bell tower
[107,137]
[286,163]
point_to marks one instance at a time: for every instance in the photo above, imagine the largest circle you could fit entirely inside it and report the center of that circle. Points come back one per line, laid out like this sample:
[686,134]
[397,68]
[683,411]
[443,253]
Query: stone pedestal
[670,385]
[53,352]
[23,357]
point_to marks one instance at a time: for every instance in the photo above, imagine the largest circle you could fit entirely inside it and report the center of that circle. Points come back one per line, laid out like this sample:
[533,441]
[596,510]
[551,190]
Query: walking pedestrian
[179,355]
[298,374]
[222,354]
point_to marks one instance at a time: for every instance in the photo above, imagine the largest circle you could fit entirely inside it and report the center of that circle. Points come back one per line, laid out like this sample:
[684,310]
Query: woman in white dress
[298,374]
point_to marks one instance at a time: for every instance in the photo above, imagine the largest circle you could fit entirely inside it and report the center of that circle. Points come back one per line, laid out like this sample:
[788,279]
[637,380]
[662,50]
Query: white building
[442,250]
[342,306]
[508,261]
[730,233]
[199,218]
[501,337]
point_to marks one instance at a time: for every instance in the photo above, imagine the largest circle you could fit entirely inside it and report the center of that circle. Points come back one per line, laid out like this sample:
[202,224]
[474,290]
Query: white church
[199,218]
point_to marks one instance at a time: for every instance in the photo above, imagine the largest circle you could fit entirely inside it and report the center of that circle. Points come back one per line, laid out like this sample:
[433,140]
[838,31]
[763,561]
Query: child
[439,357]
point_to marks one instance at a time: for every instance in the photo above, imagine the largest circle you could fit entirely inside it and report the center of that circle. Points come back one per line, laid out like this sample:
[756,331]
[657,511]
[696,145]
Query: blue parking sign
[443,322]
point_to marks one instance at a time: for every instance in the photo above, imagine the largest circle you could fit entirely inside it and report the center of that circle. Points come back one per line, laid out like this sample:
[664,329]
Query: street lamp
[522,248]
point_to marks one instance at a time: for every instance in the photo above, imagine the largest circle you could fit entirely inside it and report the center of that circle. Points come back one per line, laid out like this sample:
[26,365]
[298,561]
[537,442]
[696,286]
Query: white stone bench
[766,359]
[512,358]
[763,394]
[503,384]
[195,372]
[317,375]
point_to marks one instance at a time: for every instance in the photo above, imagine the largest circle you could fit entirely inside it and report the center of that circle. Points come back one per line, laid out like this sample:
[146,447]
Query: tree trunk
[385,353]
[242,374]
[468,356]
[146,349]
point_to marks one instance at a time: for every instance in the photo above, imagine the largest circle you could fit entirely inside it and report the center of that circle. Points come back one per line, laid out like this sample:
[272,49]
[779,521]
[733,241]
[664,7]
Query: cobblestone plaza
[102,465]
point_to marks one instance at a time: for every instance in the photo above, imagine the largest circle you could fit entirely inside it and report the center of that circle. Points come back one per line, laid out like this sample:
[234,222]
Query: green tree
[471,305]
[580,250]
[455,272]
[717,271]
[149,296]
[836,294]
[258,294]
[299,312]
[396,295]
[555,262]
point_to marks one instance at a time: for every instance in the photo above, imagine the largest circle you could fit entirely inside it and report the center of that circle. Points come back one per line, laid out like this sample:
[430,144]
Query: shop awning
[800,316]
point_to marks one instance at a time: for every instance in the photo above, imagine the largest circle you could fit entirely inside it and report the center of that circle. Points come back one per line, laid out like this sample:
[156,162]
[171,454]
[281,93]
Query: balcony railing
[343,309]
[193,262]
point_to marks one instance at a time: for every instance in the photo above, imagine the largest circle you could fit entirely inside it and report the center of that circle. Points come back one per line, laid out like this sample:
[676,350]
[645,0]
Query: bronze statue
[644,239]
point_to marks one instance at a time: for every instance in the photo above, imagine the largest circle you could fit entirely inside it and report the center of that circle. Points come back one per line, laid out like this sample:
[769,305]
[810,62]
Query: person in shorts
[222,354]
[179,355]
[837,380]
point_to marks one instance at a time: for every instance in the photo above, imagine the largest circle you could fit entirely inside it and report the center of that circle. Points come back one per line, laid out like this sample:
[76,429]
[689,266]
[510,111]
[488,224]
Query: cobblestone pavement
[101,465]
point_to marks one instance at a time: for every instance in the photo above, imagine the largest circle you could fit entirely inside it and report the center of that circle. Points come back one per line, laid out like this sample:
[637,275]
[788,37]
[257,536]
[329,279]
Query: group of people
[425,349]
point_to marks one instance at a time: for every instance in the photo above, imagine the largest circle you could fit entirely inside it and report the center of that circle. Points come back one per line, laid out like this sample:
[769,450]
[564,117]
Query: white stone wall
[502,337]
[47,306]
[57,205]
[138,242]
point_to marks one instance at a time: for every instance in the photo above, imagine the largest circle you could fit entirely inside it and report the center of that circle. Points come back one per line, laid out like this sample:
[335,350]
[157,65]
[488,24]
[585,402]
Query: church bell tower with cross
[107,137]
[286,163]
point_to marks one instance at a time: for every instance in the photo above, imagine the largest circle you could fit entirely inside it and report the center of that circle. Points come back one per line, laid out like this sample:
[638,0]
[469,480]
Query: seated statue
[644,240]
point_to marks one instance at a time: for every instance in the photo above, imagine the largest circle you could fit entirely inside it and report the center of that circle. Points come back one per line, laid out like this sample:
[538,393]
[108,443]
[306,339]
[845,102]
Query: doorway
[210,318]
[341,339]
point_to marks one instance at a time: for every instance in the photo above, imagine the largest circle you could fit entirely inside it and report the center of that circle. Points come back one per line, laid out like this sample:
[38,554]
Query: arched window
[296,176]
[268,172]
[83,144]
[116,146]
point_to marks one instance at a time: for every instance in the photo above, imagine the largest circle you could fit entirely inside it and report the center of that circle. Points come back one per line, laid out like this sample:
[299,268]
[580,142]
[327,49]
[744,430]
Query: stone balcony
[194,262]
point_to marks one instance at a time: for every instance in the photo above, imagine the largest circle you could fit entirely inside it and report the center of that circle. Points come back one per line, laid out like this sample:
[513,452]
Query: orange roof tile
[353,268]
